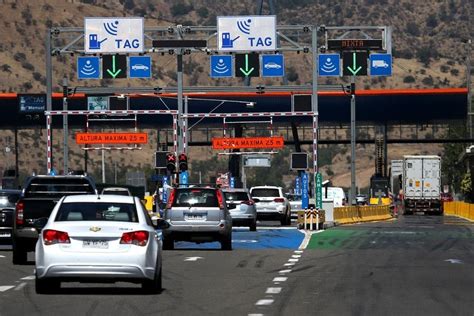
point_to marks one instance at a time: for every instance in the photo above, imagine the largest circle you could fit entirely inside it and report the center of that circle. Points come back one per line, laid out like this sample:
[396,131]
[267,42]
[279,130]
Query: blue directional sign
[273,66]
[164,197]
[380,64]
[183,179]
[139,66]
[221,66]
[88,67]
[232,182]
[329,65]
[298,186]
[304,190]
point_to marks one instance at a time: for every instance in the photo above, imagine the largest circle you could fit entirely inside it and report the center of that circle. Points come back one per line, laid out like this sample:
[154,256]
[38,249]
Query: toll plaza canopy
[377,106]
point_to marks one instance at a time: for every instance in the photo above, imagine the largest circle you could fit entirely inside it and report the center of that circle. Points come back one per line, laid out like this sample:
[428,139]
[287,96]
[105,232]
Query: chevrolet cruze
[99,238]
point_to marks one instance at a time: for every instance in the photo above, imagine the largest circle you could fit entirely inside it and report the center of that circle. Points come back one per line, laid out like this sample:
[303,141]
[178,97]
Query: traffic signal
[183,162]
[170,162]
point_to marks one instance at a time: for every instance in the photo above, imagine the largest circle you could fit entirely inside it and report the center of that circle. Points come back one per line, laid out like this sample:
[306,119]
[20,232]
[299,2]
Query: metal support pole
[353,143]
[49,101]
[65,129]
[103,165]
[469,91]
[242,168]
[314,103]
[180,101]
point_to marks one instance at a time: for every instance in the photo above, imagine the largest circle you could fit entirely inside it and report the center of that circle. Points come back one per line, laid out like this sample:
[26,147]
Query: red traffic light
[183,162]
[170,162]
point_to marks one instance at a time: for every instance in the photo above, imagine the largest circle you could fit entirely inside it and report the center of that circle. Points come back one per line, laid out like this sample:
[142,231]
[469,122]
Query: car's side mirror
[160,223]
[40,223]
[256,200]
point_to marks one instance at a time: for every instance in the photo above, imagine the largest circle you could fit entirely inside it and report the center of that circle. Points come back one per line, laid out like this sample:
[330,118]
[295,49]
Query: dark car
[8,199]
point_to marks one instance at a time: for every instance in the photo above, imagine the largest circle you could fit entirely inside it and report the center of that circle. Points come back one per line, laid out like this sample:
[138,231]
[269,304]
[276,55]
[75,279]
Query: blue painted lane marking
[242,238]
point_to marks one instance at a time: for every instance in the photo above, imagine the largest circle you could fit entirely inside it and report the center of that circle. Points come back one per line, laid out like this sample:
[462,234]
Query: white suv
[271,203]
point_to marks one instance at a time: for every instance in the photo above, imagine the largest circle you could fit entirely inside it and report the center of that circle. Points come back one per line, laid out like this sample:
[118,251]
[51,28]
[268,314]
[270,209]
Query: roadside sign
[257,161]
[111,138]
[329,65]
[232,182]
[139,66]
[273,66]
[246,33]
[88,67]
[354,63]
[380,64]
[113,35]
[164,196]
[247,65]
[221,66]
[183,179]
[97,103]
[304,190]
[354,44]
[247,142]
[319,190]
[114,66]
[298,186]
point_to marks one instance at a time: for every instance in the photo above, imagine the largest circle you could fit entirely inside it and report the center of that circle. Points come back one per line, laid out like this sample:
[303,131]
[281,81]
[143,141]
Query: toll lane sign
[354,63]
[246,33]
[88,67]
[113,35]
[221,66]
[111,138]
[329,65]
[380,64]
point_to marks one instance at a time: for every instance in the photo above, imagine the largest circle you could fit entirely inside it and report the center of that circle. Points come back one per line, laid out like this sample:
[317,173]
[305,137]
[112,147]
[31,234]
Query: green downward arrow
[247,71]
[114,73]
[354,70]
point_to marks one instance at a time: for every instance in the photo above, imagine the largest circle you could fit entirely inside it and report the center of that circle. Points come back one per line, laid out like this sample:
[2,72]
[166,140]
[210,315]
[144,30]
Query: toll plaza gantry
[248,35]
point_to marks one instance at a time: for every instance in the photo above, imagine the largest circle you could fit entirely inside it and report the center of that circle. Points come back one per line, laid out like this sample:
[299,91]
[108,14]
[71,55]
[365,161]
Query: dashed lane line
[284,271]
[30,277]
[280,279]
[264,302]
[273,290]
[20,286]
[4,288]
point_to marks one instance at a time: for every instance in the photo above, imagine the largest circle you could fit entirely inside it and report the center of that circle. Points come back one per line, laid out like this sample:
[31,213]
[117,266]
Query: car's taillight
[279,200]
[220,199]
[139,238]
[249,202]
[51,237]
[19,213]
[170,199]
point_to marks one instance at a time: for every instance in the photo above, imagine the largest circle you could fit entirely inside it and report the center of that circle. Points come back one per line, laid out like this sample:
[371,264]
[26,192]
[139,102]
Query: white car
[139,67]
[272,65]
[98,238]
[271,203]
[117,191]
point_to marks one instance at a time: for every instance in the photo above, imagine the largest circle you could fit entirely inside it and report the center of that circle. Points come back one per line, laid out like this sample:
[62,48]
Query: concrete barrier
[311,219]
[459,209]
[356,214]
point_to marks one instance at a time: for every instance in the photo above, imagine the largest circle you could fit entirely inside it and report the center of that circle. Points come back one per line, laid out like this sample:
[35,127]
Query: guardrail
[460,209]
[357,214]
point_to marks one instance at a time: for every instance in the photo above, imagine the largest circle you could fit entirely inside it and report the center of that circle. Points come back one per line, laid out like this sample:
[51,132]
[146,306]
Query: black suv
[8,199]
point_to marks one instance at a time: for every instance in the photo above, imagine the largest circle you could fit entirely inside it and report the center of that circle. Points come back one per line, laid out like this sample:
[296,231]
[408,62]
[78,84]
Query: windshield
[236,196]
[97,211]
[265,192]
[196,197]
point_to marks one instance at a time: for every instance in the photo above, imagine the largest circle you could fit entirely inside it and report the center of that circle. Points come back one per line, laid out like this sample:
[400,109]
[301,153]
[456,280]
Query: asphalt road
[417,265]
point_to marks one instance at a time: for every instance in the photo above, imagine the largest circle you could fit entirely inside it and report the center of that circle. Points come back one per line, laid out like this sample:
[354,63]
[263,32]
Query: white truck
[422,184]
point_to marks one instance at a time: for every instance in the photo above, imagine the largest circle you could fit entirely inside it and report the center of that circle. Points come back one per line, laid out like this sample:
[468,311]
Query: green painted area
[369,238]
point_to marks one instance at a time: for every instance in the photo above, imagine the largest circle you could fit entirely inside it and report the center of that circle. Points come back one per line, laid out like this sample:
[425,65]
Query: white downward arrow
[453,260]
[193,258]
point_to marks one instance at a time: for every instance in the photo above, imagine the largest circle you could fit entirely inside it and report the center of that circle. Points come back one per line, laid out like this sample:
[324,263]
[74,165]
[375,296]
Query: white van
[336,194]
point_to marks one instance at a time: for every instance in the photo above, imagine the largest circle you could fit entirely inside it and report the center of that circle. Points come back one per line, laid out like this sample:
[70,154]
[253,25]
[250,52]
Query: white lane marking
[298,251]
[30,277]
[284,271]
[307,238]
[454,261]
[4,288]
[293,260]
[276,228]
[289,264]
[20,286]
[255,314]
[280,279]
[193,258]
[247,241]
[273,290]
[2,256]
[264,302]
[296,256]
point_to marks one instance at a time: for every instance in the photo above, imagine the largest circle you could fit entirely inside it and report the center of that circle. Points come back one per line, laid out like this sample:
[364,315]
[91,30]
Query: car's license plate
[5,234]
[195,217]
[98,244]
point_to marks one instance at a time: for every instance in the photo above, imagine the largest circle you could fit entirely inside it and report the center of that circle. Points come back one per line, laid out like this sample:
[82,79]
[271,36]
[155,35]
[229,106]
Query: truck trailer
[422,184]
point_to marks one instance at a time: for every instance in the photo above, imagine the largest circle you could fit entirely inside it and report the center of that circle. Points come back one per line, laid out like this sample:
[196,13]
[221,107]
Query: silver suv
[242,208]
[198,215]
[271,203]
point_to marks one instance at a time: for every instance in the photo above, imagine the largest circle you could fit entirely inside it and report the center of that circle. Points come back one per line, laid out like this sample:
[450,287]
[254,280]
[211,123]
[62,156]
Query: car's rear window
[97,211]
[115,192]
[57,187]
[236,196]
[196,198]
[265,193]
